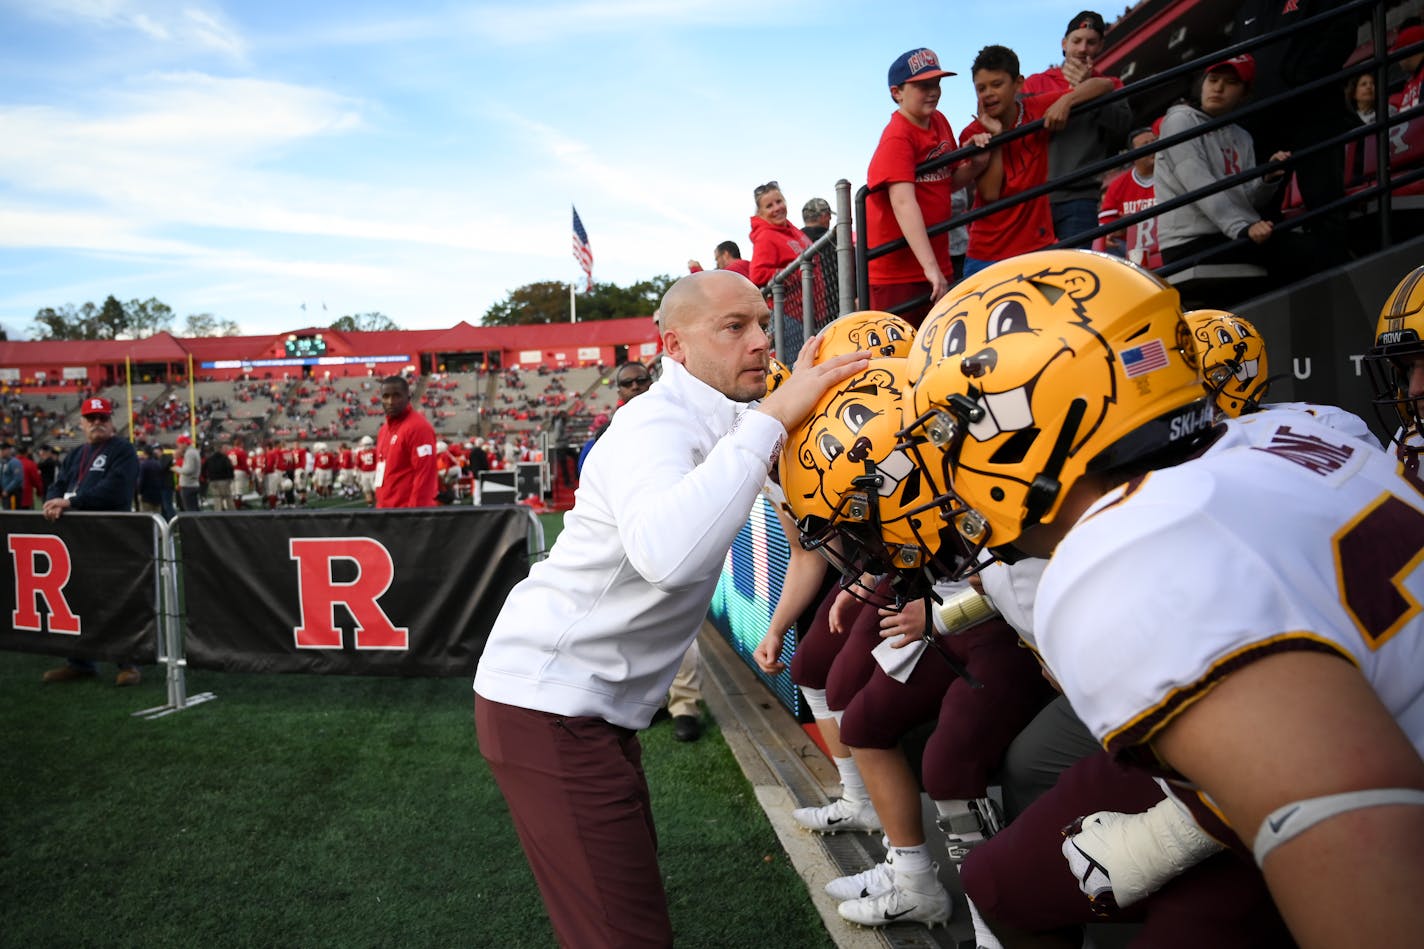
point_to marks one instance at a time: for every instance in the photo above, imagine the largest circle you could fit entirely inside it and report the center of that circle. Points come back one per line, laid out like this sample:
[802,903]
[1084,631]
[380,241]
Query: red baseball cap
[1244,66]
[96,406]
[1407,37]
[184,440]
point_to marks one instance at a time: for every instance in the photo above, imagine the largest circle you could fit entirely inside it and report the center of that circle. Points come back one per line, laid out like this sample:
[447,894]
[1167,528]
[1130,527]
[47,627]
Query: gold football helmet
[1052,365]
[1398,345]
[845,474]
[883,335]
[1233,360]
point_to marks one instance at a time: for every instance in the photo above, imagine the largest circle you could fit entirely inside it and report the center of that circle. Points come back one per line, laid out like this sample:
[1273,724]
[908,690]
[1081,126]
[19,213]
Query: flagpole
[573,308]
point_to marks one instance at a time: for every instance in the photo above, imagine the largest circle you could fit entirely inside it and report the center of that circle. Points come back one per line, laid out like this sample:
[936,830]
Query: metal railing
[823,274]
[1378,63]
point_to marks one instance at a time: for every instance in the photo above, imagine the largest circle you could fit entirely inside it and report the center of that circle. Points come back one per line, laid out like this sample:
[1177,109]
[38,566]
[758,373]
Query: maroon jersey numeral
[1374,554]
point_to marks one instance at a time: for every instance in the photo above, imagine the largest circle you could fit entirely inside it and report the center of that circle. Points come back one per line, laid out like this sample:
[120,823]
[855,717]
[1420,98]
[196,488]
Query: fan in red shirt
[1018,165]
[405,451]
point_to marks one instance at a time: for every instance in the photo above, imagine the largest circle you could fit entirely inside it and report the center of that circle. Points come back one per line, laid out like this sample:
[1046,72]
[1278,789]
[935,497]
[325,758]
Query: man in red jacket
[405,451]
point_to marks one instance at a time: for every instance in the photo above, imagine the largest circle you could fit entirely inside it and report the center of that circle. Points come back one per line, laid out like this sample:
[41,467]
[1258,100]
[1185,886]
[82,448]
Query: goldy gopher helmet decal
[1399,340]
[881,334]
[1053,365]
[844,473]
[1233,360]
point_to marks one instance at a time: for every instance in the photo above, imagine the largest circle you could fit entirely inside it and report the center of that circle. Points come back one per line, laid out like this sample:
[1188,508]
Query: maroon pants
[1019,876]
[974,727]
[579,799]
[817,650]
[854,663]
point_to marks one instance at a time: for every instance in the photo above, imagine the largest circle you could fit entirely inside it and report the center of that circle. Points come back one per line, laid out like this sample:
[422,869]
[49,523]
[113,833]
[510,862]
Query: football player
[1396,366]
[1234,605]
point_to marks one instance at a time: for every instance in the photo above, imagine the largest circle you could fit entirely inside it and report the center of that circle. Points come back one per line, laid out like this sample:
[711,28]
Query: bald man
[583,651]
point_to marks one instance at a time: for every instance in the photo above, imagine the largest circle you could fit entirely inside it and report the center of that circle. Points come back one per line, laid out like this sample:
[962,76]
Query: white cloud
[179,22]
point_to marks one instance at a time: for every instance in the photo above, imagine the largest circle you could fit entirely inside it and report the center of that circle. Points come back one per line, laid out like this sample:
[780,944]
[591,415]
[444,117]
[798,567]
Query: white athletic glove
[1118,859]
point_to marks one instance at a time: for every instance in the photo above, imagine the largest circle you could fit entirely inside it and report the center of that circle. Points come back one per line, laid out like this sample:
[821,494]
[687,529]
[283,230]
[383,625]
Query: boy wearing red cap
[903,204]
[99,475]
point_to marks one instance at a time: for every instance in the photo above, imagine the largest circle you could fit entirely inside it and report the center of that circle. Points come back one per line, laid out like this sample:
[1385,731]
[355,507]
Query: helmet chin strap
[1045,487]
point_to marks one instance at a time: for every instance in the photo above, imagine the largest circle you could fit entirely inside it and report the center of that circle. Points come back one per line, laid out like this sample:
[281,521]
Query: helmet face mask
[1044,368]
[1233,360]
[777,373]
[1398,345]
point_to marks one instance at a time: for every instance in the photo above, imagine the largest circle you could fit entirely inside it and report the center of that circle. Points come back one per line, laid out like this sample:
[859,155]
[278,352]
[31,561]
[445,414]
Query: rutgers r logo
[319,592]
[27,552]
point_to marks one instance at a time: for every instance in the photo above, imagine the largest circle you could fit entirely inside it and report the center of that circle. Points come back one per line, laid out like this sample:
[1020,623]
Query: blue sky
[419,159]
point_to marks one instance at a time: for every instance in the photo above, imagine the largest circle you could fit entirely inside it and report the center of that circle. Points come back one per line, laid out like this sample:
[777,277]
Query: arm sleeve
[424,480]
[677,517]
[115,490]
[894,160]
[763,265]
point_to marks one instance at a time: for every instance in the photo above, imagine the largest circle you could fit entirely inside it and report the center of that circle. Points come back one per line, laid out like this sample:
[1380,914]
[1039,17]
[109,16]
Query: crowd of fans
[284,428]
[1237,225]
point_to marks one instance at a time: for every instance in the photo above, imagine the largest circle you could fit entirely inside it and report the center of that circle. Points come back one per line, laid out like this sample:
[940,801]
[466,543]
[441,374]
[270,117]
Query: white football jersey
[1331,416]
[1284,535]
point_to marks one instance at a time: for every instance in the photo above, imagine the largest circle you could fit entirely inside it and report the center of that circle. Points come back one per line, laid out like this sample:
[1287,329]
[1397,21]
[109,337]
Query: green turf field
[323,811]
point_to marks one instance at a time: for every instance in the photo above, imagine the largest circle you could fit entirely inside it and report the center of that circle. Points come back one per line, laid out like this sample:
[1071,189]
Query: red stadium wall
[69,365]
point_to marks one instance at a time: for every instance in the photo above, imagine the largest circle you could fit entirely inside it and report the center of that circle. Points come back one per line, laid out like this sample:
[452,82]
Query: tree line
[114,320]
[544,301]
[547,301]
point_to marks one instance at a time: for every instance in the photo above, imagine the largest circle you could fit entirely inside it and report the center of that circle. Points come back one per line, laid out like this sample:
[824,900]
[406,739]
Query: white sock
[984,937]
[914,859]
[852,784]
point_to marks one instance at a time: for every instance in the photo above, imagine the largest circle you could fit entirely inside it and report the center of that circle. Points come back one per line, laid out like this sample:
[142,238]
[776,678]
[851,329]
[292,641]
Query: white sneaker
[912,898]
[837,816]
[872,882]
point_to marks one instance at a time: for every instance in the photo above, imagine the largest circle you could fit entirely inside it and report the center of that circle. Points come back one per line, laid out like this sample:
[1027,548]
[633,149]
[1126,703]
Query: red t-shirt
[1126,195]
[1023,227]
[238,457]
[324,460]
[405,462]
[347,462]
[903,145]
[277,460]
[366,459]
[1052,80]
[1408,97]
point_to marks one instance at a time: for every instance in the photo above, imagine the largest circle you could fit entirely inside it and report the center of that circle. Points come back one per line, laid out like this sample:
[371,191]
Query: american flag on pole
[582,252]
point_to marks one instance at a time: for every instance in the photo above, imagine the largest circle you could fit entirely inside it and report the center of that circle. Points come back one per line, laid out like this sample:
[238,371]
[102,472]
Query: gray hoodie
[1201,162]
